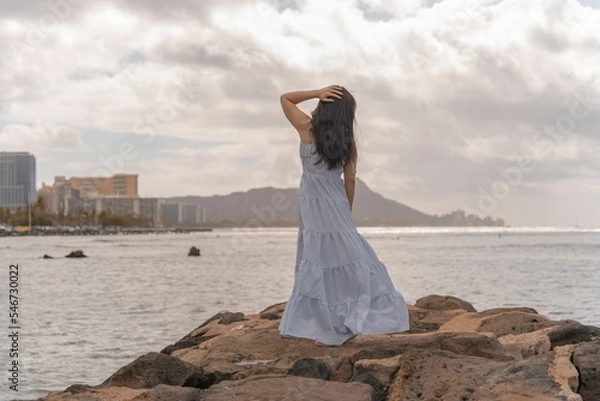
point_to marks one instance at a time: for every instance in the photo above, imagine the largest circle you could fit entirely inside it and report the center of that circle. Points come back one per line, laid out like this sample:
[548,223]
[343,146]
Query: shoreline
[93,231]
[451,351]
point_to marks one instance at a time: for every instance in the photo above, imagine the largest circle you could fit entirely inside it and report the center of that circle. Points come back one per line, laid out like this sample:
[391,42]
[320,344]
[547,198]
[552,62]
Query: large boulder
[289,388]
[526,345]
[383,370]
[571,332]
[377,373]
[427,320]
[443,303]
[163,392]
[555,334]
[273,312]
[199,334]
[154,368]
[97,394]
[309,367]
[586,358]
[500,322]
[445,376]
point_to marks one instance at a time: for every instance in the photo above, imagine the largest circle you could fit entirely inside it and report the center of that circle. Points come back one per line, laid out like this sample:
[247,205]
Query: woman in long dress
[341,289]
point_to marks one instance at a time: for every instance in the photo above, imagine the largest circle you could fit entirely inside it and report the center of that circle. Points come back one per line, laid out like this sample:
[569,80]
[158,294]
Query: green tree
[40,205]
[4,215]
[116,220]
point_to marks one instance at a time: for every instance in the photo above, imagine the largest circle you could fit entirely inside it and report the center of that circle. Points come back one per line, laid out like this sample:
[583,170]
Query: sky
[490,106]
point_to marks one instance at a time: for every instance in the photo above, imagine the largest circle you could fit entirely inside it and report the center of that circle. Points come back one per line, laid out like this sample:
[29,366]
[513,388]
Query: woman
[341,289]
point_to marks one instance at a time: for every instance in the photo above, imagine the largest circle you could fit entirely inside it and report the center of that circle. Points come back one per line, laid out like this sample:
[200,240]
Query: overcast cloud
[493,106]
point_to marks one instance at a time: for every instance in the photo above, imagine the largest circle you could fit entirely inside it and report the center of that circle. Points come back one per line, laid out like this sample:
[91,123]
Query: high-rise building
[147,208]
[62,197]
[182,214]
[124,184]
[17,180]
[191,214]
[118,184]
[170,213]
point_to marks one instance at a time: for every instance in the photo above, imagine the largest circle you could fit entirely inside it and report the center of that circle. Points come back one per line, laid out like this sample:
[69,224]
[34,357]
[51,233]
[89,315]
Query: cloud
[19,137]
[449,92]
[218,168]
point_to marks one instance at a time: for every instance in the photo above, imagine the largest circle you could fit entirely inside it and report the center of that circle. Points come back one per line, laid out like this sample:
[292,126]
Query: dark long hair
[332,130]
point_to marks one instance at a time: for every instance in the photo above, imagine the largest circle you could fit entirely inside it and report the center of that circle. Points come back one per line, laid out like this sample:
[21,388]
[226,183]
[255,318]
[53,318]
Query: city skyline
[489,107]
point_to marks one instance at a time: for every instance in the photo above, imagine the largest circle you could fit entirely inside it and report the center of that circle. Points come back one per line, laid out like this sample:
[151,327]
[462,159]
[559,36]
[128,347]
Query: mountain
[270,206]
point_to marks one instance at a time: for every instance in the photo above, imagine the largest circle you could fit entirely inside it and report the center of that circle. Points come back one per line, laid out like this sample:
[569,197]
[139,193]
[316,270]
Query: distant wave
[553,246]
[475,230]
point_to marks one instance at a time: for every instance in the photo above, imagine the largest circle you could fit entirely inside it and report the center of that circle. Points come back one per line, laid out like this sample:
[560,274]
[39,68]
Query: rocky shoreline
[451,353]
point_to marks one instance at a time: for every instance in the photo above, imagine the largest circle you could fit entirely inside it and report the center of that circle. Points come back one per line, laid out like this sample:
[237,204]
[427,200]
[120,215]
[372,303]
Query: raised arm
[299,119]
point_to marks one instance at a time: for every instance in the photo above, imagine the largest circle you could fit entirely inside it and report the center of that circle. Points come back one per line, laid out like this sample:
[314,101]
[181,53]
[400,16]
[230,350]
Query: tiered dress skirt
[341,289]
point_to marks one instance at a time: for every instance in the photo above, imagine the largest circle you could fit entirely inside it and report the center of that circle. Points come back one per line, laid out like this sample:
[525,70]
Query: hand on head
[329,93]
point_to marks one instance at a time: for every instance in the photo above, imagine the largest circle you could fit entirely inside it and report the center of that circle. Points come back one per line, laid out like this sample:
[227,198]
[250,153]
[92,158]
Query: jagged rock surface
[452,352]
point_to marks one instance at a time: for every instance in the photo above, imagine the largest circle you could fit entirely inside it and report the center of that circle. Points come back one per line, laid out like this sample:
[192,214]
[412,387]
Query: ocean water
[82,319]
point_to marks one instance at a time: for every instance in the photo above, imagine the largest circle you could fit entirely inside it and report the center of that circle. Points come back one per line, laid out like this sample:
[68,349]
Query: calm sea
[82,319]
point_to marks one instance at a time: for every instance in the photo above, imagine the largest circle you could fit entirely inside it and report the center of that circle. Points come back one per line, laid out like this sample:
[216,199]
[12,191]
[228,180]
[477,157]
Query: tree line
[40,216]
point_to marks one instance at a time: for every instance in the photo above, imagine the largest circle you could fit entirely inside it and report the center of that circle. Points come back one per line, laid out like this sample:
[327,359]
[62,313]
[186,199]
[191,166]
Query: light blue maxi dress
[340,287]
